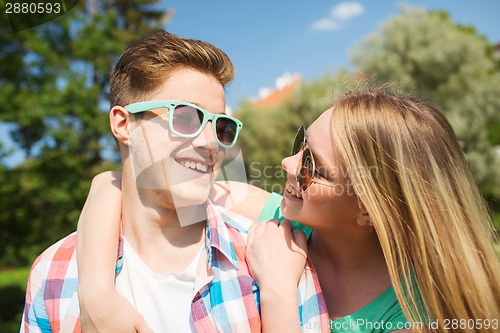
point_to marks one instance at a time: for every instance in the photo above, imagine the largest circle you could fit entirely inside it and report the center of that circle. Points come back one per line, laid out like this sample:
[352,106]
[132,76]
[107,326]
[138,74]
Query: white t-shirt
[164,300]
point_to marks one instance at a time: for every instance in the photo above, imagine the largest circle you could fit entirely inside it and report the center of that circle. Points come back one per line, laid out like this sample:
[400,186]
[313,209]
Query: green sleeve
[272,210]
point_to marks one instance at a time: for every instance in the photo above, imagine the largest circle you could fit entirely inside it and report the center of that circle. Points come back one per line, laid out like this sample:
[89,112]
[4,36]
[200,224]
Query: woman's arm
[97,246]
[277,256]
[98,233]
[242,198]
[102,309]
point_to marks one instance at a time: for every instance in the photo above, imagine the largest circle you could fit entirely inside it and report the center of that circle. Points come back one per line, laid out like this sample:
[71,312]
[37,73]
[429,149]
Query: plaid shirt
[226,299]
[227,295]
[313,313]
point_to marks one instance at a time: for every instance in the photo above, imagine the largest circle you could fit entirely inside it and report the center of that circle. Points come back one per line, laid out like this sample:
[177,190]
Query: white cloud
[347,10]
[279,83]
[264,92]
[341,13]
[325,24]
[284,80]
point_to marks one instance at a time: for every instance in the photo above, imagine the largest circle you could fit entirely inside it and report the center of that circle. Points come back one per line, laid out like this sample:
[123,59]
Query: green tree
[54,95]
[268,132]
[427,53]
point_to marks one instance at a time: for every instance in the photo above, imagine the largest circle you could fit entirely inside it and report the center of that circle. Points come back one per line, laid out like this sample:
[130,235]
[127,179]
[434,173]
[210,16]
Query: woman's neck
[347,251]
[351,270]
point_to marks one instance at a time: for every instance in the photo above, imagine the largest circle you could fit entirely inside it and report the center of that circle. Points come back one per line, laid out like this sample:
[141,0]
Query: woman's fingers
[141,326]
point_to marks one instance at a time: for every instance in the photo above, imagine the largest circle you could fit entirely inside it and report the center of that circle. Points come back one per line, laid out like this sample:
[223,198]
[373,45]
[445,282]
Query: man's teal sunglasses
[188,120]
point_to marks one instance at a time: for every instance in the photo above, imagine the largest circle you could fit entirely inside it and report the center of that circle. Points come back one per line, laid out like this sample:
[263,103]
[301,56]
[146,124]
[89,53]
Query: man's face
[180,170]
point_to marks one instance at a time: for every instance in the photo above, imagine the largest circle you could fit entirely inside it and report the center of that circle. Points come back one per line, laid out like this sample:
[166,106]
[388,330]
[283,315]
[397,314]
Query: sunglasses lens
[305,175]
[298,142]
[186,119]
[226,130]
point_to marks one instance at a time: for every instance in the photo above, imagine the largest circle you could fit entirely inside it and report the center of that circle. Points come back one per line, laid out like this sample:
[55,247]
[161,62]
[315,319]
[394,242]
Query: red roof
[279,96]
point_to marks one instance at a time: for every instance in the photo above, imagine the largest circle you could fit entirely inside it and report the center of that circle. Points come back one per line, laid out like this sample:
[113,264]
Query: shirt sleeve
[35,318]
[272,210]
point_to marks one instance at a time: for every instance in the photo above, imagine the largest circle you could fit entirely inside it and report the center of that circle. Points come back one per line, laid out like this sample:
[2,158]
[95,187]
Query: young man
[181,259]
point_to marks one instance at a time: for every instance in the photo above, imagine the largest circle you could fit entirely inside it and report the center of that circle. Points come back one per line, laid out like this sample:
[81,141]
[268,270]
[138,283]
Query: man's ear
[119,121]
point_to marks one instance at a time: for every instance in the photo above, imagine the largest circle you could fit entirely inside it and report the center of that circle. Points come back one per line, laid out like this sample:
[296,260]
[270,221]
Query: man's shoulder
[52,289]
[234,221]
[241,198]
[230,233]
[57,256]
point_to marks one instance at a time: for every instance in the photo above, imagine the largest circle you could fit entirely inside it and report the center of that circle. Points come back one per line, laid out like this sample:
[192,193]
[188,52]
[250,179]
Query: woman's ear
[119,122]
[363,219]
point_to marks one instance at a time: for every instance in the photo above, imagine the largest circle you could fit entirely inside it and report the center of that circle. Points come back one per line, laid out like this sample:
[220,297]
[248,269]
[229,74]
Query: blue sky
[267,38]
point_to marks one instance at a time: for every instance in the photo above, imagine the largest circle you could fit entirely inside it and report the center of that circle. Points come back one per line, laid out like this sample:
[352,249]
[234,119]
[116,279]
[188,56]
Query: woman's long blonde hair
[430,218]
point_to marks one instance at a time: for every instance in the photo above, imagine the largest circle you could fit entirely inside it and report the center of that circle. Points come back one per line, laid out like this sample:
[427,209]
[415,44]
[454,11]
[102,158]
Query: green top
[384,314]
[272,210]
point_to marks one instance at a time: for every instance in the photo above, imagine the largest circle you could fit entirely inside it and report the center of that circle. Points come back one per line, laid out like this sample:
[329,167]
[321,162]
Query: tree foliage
[417,51]
[425,52]
[54,95]
[269,132]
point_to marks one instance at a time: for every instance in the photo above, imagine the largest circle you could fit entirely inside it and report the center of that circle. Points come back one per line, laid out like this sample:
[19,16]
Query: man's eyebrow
[196,103]
[204,108]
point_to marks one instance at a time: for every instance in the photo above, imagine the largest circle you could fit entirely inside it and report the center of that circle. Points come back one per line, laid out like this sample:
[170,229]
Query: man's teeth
[293,191]
[195,166]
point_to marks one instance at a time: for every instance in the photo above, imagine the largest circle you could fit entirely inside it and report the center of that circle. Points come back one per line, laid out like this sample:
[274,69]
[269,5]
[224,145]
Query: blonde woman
[382,181]
[401,240]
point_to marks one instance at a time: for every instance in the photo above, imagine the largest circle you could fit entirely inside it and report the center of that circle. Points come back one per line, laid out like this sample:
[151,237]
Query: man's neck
[165,238]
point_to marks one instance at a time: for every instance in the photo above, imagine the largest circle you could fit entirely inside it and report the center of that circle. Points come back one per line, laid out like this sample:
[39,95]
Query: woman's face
[330,201]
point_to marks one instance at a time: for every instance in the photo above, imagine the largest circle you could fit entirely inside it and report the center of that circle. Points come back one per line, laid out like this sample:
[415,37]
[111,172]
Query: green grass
[10,327]
[12,300]
[15,276]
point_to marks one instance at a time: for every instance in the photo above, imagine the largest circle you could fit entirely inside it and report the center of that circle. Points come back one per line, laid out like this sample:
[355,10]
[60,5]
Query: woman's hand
[276,254]
[110,312]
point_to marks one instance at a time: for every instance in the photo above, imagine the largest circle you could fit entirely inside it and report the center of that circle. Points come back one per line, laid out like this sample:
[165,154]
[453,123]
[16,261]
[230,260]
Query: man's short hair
[149,62]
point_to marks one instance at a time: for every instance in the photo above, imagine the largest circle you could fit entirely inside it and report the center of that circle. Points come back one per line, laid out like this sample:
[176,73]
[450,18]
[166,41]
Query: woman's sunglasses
[307,169]
[188,120]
